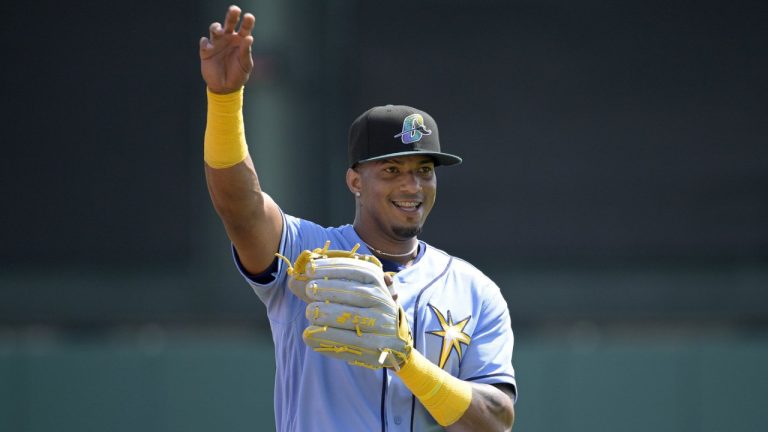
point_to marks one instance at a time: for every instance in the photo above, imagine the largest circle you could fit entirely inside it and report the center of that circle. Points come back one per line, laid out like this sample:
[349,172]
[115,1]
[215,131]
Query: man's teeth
[407,204]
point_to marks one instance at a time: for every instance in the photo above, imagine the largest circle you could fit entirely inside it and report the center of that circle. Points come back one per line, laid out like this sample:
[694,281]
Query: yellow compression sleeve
[224,133]
[443,395]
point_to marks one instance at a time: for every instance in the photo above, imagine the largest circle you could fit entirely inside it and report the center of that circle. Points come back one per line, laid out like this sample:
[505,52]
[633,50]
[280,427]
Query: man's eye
[425,170]
[391,170]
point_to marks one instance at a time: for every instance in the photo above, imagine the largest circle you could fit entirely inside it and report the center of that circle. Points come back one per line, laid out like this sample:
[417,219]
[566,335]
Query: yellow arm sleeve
[443,395]
[225,133]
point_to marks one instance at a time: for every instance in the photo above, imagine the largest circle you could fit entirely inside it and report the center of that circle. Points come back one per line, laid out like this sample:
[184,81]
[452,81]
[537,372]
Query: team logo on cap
[413,129]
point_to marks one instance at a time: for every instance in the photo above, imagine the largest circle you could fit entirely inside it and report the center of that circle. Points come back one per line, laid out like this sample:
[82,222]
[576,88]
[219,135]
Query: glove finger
[361,320]
[349,292]
[346,345]
[367,344]
[345,268]
[299,288]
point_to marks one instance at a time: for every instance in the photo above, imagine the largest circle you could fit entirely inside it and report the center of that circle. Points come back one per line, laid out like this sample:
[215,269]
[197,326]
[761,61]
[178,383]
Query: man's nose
[411,182]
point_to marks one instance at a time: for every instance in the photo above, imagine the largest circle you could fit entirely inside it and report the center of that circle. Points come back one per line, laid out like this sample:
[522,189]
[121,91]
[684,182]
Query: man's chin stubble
[407,232]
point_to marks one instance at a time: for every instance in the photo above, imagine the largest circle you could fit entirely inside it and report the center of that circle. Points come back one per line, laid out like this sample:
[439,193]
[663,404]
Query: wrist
[225,144]
[223,91]
[443,395]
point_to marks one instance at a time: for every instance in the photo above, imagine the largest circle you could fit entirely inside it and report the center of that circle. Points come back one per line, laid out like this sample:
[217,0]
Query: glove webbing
[298,269]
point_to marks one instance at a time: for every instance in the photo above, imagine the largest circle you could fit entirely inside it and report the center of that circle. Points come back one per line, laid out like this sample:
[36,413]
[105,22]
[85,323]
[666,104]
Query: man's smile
[407,205]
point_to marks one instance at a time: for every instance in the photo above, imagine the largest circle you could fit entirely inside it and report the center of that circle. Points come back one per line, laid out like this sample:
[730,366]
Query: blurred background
[615,186]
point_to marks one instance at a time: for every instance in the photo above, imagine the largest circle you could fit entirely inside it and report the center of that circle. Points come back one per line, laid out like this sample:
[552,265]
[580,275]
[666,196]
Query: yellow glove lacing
[299,269]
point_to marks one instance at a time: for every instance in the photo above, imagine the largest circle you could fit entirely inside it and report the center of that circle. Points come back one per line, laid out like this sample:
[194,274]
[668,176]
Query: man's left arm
[456,404]
[460,402]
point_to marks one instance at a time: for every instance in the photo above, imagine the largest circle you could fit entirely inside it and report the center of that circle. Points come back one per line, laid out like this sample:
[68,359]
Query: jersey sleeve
[298,235]
[488,359]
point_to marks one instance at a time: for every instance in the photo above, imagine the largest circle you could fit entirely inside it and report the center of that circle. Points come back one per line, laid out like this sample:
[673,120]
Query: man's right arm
[251,218]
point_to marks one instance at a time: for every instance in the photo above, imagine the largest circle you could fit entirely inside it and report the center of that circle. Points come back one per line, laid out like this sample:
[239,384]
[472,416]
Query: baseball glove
[351,310]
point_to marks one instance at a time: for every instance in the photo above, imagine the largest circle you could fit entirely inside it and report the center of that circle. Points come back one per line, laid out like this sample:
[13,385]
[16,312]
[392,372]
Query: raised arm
[251,218]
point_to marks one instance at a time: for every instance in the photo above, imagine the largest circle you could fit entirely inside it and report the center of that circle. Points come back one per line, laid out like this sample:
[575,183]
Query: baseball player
[426,345]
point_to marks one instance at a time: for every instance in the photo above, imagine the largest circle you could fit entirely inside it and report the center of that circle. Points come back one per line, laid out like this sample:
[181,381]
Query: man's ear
[354,181]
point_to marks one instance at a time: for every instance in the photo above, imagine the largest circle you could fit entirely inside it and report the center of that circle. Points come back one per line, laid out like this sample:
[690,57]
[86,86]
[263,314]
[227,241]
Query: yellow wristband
[224,133]
[443,395]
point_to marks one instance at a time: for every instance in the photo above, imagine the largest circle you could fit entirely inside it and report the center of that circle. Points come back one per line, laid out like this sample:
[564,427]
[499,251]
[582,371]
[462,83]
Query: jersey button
[398,420]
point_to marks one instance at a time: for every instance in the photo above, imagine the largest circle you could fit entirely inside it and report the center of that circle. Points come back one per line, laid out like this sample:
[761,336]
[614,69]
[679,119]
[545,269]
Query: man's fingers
[215,31]
[233,16]
[246,26]
[246,59]
[390,281]
[204,43]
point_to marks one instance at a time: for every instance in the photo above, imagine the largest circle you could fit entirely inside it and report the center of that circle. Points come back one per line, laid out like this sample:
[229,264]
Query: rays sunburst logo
[452,334]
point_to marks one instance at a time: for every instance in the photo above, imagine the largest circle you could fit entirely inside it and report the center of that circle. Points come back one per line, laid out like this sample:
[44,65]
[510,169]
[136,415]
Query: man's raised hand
[225,57]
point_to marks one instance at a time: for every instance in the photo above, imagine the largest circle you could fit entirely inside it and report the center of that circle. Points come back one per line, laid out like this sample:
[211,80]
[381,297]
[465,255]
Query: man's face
[396,195]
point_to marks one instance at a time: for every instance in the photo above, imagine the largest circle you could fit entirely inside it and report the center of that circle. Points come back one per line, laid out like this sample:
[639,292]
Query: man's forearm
[252,220]
[456,404]
[490,410]
[225,144]
[235,191]
[231,176]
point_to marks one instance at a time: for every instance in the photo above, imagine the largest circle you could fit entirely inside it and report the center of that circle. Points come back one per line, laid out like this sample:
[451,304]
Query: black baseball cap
[391,131]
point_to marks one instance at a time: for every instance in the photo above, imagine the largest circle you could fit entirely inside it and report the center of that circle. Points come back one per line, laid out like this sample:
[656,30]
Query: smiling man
[393,174]
[456,369]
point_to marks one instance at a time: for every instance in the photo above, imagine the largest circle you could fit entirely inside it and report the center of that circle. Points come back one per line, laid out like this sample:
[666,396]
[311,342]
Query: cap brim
[441,159]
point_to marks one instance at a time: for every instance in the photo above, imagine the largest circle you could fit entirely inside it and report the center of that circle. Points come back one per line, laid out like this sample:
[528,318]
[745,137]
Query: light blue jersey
[458,318]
